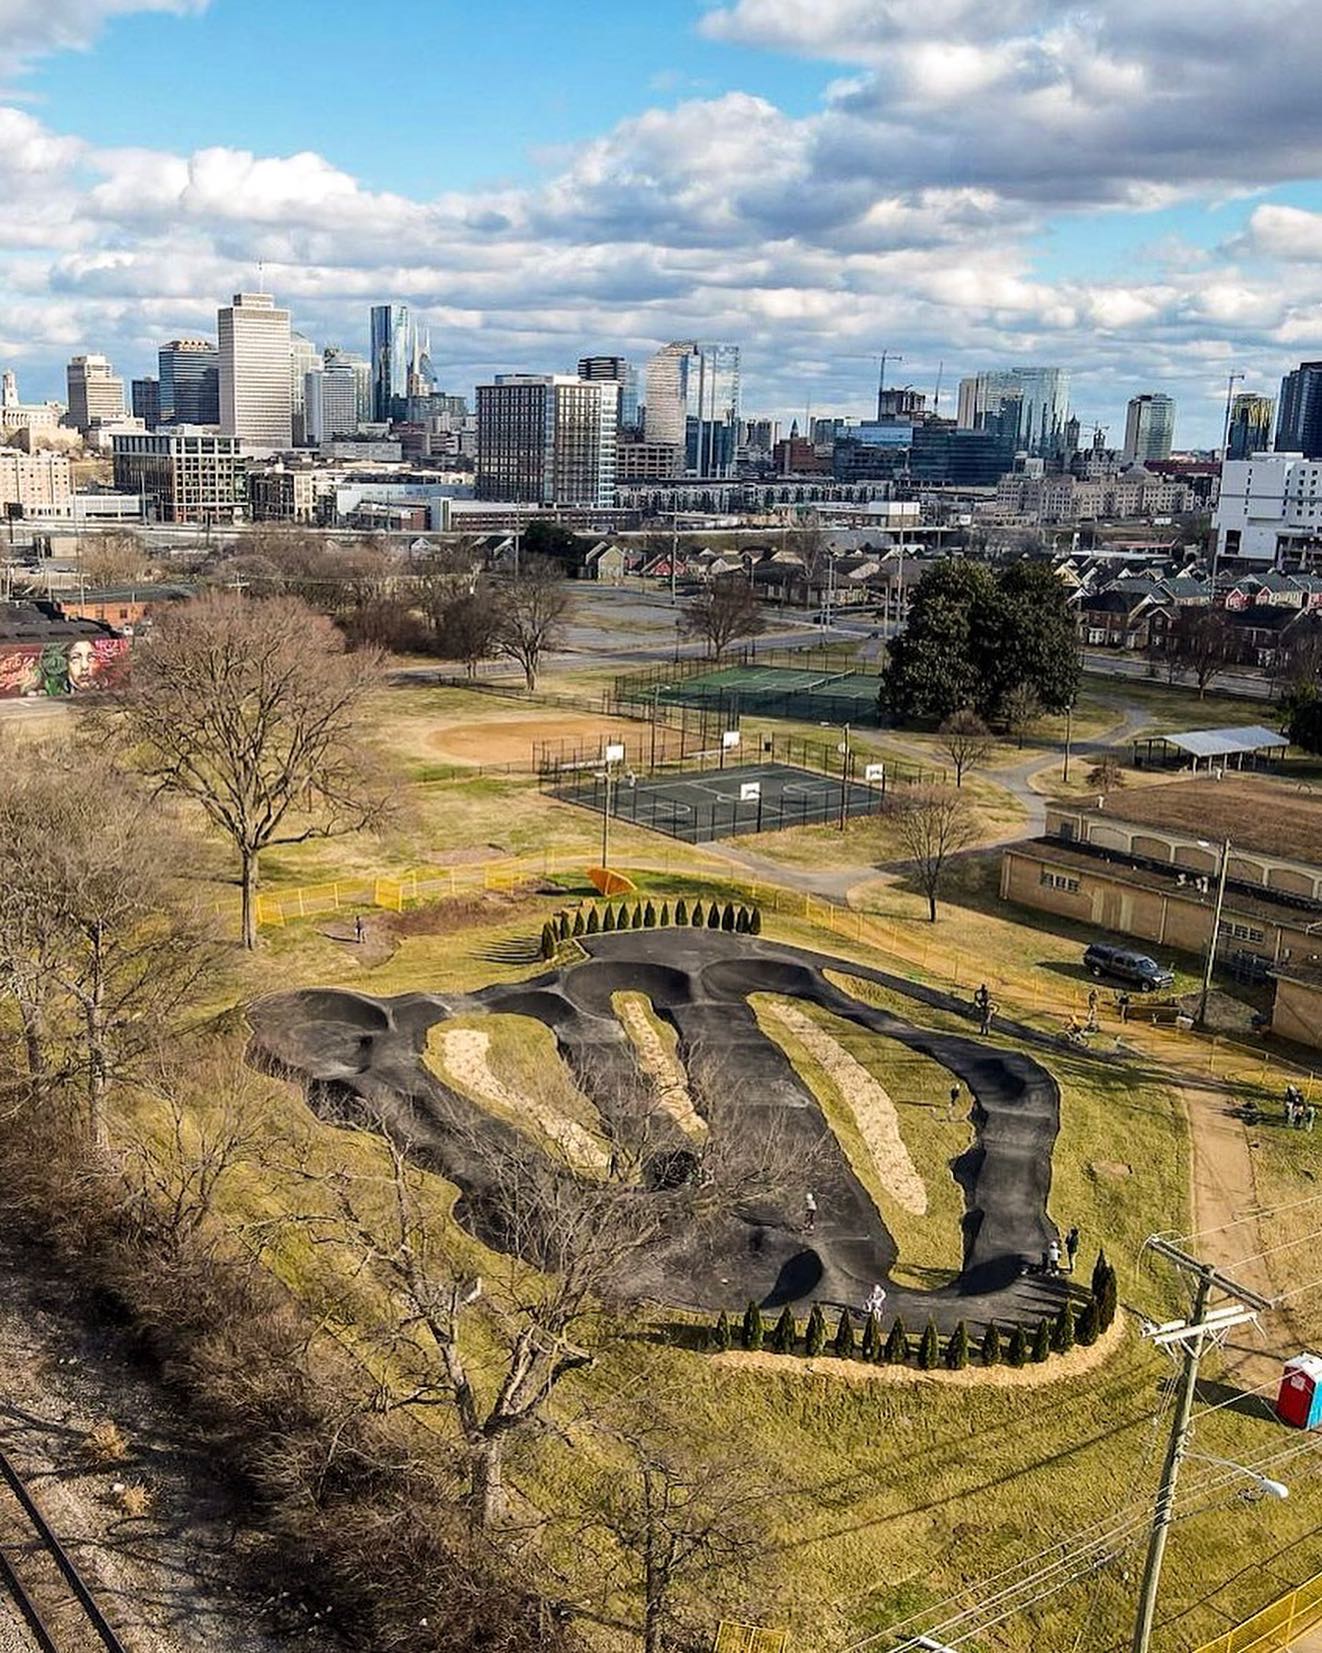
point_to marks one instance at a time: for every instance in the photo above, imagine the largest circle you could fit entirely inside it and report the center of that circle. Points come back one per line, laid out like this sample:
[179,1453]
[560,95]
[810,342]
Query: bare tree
[564,1243]
[1201,642]
[114,558]
[1022,709]
[466,628]
[727,610]
[530,610]
[1107,774]
[934,823]
[250,710]
[966,741]
[206,1119]
[97,949]
[682,1509]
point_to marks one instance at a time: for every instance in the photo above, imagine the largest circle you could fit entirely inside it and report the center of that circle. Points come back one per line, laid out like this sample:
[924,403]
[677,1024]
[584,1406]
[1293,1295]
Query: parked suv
[1135,968]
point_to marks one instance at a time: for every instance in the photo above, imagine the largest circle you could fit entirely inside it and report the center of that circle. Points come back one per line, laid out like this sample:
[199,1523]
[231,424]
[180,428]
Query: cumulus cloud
[31,28]
[904,211]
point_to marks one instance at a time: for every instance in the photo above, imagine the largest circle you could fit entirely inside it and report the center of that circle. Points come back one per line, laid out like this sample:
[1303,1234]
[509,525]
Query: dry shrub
[105,1444]
[135,1501]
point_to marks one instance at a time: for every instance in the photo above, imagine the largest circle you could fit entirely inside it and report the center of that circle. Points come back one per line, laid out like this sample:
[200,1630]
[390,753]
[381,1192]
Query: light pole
[1209,963]
[611,755]
[1069,737]
[845,755]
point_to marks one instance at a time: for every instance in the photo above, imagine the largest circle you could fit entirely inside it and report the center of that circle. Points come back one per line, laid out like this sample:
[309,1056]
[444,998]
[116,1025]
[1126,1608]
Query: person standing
[809,1212]
[1122,1005]
[953,1104]
[1310,1114]
[988,1011]
[1072,1245]
[358,929]
[1053,1257]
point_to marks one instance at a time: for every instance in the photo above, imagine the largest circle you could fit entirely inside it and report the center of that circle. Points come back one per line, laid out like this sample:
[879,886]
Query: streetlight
[1069,736]
[1264,1484]
[1209,963]
[610,756]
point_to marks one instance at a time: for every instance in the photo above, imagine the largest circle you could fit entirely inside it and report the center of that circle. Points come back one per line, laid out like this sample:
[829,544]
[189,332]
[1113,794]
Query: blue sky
[1130,191]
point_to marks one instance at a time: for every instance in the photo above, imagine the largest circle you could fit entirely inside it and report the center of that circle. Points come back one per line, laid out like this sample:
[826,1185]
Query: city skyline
[721,188]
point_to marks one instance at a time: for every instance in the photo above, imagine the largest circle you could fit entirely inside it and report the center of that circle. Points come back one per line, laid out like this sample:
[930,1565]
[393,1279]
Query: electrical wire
[1271,1250]
[1256,1215]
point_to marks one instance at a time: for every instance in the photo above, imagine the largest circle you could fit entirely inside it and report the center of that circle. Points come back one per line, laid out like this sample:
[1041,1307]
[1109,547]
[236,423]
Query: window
[1060,881]
[1240,932]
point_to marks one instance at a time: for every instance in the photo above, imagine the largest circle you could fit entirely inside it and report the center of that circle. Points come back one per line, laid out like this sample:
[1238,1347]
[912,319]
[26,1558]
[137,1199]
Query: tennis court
[777,691]
[762,797]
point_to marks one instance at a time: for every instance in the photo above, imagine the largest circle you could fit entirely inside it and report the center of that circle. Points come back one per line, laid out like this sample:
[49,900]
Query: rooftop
[1255,813]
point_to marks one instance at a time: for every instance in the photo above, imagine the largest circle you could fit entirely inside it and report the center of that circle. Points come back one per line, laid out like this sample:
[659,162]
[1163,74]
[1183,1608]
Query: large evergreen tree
[983,639]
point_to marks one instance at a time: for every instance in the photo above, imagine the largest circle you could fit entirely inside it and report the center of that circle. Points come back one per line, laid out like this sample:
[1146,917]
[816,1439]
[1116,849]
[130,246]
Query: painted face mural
[59,669]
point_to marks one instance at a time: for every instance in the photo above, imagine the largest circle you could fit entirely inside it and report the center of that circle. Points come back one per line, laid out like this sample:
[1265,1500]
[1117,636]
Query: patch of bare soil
[510,739]
[1111,1170]
[461,912]
[1076,1364]
[110,1460]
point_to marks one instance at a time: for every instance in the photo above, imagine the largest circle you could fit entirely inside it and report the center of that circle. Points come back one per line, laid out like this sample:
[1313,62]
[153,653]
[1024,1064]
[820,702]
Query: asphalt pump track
[355,1054]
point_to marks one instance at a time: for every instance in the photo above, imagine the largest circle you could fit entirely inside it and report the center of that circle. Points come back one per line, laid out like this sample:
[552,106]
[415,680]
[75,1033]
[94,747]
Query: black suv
[1135,968]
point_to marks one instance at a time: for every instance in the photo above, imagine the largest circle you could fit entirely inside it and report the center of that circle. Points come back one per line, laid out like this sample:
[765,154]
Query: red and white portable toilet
[1299,1401]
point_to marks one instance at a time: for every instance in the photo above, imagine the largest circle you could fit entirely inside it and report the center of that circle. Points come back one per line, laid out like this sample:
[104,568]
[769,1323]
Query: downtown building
[400,362]
[96,394]
[692,401]
[1149,428]
[1299,424]
[256,404]
[547,439]
[615,370]
[1251,421]
[182,476]
[189,374]
[1030,405]
[1270,510]
[331,394]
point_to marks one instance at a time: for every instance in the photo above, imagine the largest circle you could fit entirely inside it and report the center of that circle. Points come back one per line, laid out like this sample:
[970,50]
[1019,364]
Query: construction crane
[886,356]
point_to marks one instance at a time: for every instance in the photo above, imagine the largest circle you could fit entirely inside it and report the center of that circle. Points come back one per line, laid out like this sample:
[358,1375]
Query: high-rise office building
[146,395]
[1299,422]
[547,439]
[96,393]
[1251,419]
[304,358]
[398,355]
[1043,395]
[190,382]
[255,400]
[331,400]
[692,399]
[1149,428]
[337,360]
[615,370]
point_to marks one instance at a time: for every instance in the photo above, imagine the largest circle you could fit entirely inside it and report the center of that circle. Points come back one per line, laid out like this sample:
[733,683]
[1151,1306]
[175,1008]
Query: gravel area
[157,1534]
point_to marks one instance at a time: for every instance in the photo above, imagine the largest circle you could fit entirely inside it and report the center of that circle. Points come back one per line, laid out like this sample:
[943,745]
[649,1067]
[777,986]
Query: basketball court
[720,803]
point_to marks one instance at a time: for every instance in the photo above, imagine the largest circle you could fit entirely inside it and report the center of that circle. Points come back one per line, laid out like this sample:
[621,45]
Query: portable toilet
[1299,1401]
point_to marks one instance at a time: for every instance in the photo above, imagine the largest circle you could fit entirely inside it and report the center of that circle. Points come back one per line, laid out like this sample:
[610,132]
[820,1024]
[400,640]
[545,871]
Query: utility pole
[1193,1336]
[1069,737]
[845,757]
[1209,964]
[674,552]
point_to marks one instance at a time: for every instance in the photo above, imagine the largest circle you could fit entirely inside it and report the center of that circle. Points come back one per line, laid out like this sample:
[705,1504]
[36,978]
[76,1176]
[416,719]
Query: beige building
[277,493]
[96,393]
[256,403]
[37,484]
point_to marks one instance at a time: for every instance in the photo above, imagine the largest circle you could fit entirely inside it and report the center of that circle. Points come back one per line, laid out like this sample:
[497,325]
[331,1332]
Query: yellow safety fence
[913,950]
[1275,1628]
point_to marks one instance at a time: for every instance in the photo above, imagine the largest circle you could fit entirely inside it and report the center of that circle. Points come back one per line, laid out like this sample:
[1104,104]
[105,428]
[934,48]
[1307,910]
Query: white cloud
[32,28]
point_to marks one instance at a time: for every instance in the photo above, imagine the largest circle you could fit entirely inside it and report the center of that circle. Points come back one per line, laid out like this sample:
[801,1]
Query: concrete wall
[1168,918]
[1298,1012]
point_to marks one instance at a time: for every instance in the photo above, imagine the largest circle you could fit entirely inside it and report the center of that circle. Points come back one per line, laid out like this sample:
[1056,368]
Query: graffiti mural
[77,666]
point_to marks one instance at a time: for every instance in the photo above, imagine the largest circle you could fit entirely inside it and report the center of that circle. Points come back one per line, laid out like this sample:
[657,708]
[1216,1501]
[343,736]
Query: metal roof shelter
[1227,748]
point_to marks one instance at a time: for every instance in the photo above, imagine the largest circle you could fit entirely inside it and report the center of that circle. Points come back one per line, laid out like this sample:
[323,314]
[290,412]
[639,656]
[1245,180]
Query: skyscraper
[96,393]
[255,400]
[392,352]
[1149,428]
[338,360]
[693,402]
[615,370]
[304,358]
[190,382]
[146,395]
[332,399]
[547,439]
[1043,394]
[1299,423]
[1251,419]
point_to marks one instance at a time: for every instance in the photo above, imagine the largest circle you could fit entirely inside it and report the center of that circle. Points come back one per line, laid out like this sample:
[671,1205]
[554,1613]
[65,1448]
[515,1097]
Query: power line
[1255,1215]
